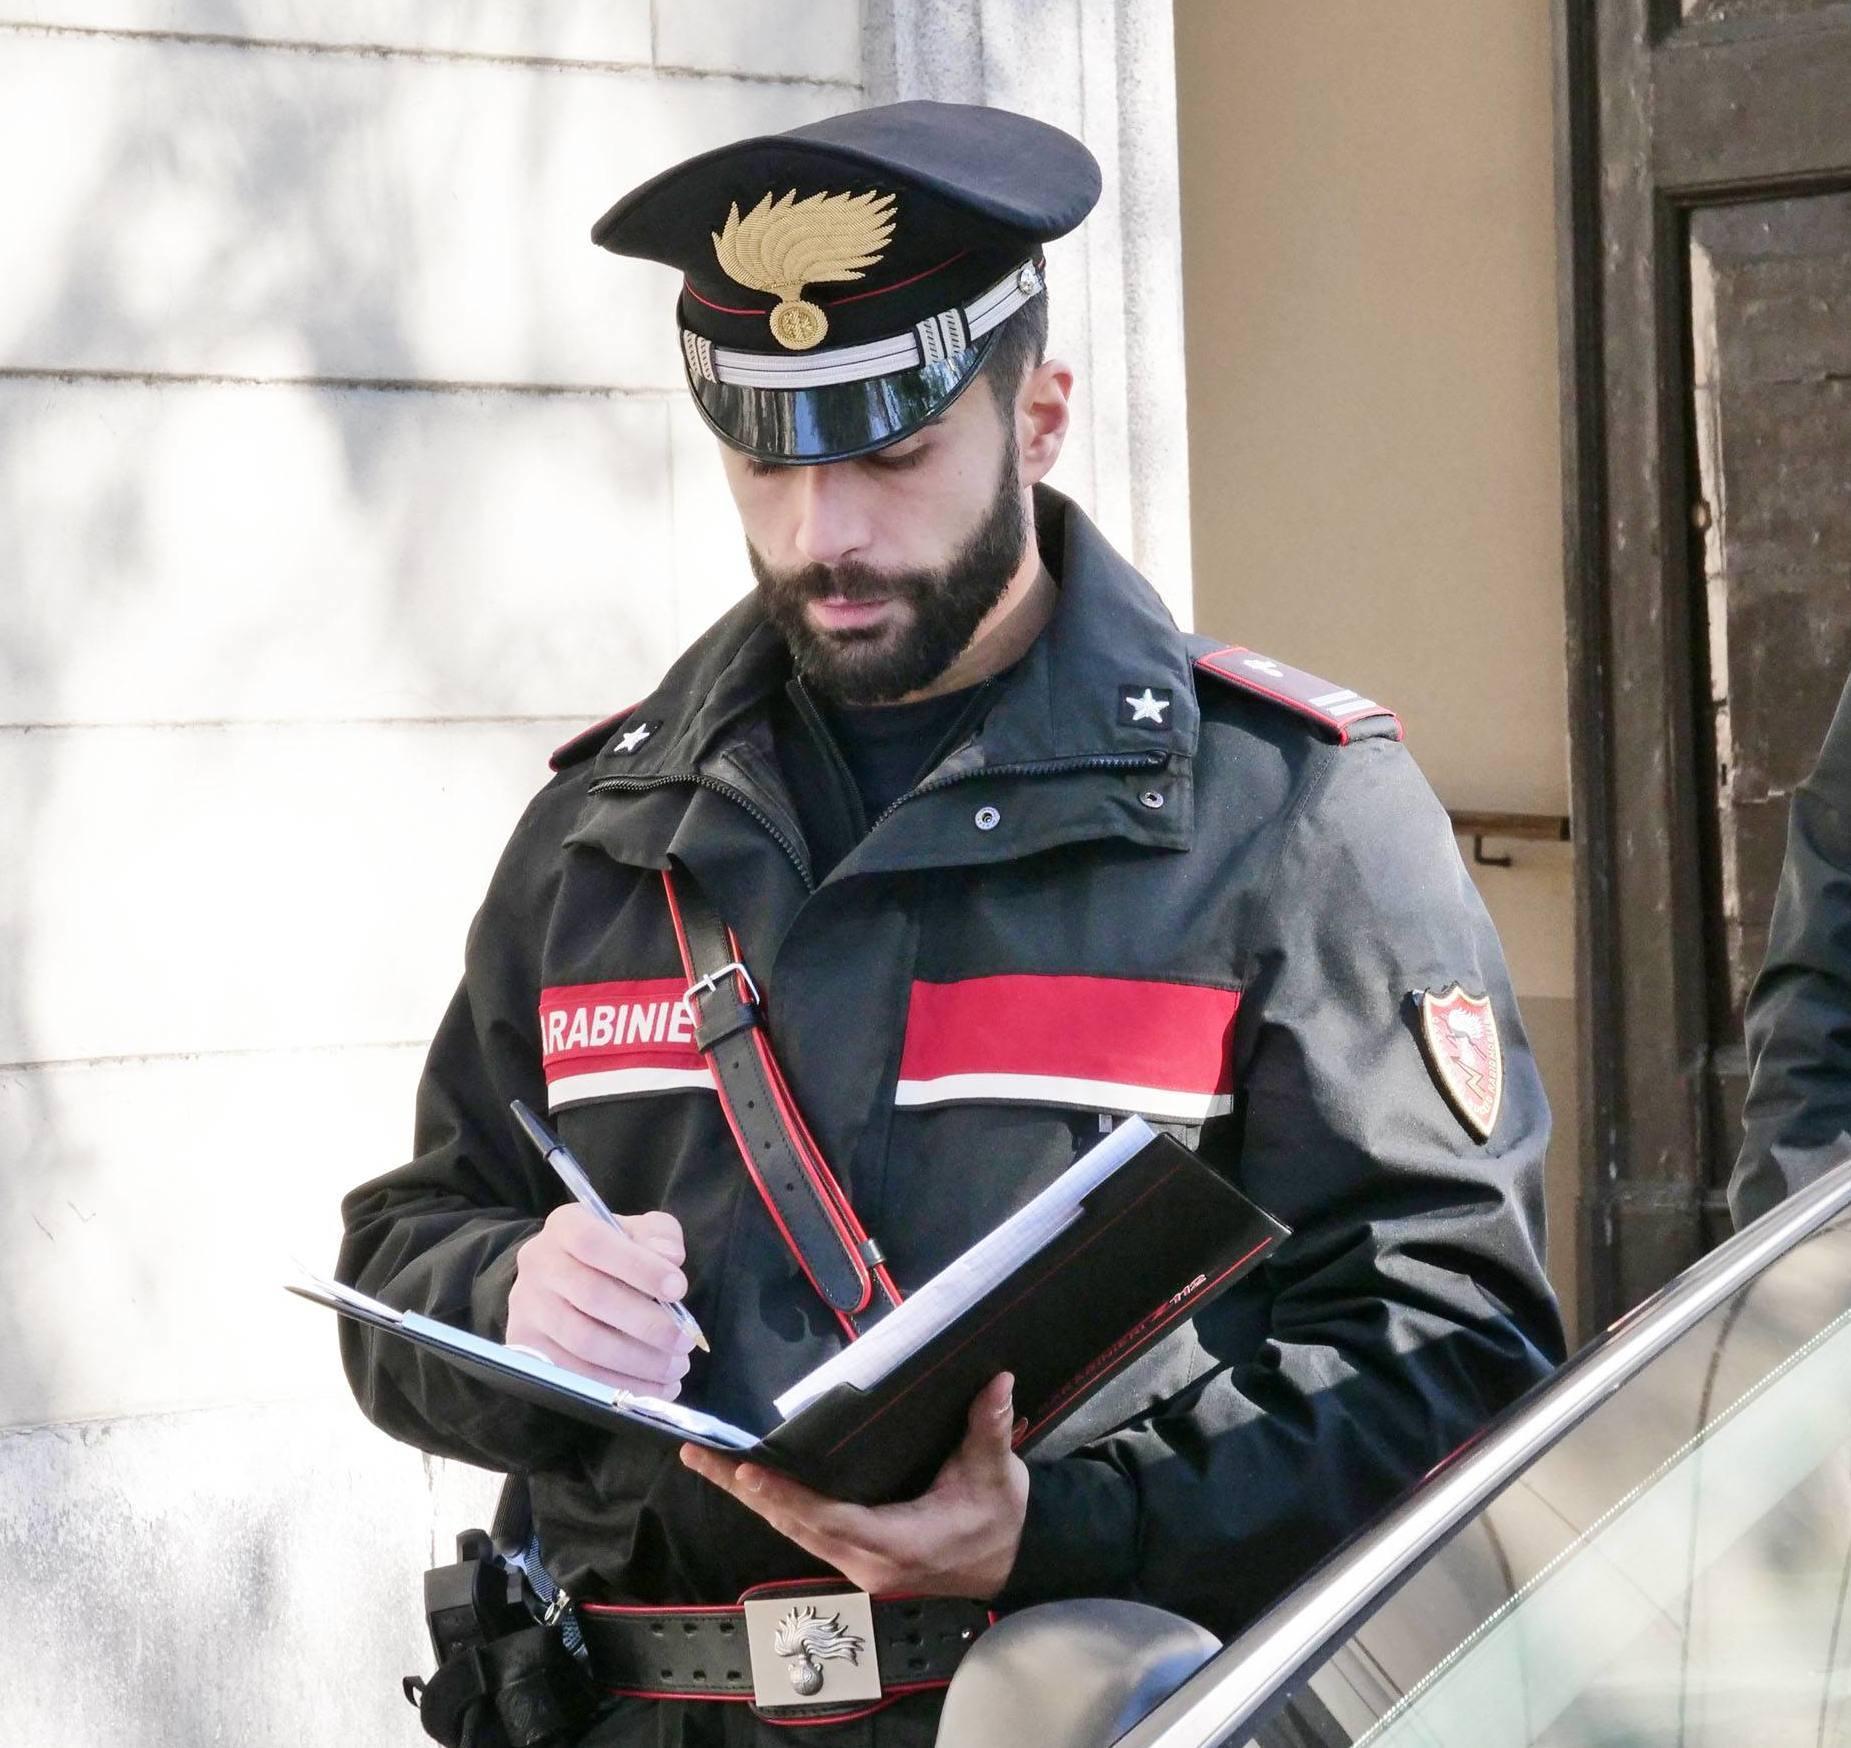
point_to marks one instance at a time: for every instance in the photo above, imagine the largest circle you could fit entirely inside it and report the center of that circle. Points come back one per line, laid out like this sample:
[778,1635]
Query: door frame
[1656,115]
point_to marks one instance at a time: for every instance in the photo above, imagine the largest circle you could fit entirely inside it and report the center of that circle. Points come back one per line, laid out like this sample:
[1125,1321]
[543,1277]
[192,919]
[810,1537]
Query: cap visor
[839,420]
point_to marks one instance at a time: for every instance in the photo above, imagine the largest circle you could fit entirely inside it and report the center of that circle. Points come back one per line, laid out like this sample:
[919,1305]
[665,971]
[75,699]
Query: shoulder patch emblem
[1459,1037]
[1340,712]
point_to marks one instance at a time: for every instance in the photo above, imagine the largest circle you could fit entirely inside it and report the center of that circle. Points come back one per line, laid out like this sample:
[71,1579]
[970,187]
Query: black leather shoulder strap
[806,1203]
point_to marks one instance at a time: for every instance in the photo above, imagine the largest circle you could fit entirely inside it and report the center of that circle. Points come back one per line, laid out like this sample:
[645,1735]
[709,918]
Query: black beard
[947,605]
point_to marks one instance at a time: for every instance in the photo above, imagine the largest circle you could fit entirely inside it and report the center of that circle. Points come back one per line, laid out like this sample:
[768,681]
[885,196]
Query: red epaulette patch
[588,741]
[1338,711]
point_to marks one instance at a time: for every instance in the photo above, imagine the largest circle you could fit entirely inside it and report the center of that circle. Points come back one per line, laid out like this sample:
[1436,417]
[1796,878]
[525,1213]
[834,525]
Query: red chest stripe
[1098,1043]
[602,1040]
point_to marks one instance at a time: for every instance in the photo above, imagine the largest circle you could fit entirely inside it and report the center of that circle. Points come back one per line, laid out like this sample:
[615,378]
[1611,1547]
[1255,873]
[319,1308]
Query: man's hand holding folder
[958,1538]
[895,1459]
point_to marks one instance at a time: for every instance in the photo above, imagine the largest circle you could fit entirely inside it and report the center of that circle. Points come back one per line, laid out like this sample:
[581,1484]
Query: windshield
[1674,1572]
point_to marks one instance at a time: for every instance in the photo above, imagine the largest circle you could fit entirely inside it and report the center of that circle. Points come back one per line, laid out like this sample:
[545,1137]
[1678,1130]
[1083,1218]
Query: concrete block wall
[340,478]
[1106,71]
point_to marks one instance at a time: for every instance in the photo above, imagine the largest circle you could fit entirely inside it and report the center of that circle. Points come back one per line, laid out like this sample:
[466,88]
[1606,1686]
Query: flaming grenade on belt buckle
[806,1640]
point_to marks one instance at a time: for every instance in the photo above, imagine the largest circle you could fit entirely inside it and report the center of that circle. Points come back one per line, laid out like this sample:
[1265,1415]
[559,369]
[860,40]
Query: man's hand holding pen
[596,1299]
[598,1293]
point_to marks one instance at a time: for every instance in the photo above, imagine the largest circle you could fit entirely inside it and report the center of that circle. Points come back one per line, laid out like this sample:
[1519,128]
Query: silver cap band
[940,337]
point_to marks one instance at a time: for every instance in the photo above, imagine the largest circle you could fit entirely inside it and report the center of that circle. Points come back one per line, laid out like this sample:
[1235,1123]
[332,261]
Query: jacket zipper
[1029,768]
[737,796]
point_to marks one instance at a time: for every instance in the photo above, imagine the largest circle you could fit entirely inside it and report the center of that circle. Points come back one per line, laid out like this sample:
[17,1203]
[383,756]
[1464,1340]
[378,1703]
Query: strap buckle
[707,985]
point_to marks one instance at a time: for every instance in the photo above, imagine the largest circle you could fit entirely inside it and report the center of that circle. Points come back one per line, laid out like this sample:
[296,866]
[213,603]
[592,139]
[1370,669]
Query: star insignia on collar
[1150,705]
[628,743]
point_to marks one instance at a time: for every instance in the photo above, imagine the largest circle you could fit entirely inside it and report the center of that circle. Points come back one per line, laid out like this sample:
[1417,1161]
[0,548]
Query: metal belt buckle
[701,985]
[812,1650]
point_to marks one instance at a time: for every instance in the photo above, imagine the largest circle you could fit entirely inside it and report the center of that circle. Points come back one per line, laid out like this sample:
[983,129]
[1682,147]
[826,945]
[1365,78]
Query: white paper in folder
[960,1284]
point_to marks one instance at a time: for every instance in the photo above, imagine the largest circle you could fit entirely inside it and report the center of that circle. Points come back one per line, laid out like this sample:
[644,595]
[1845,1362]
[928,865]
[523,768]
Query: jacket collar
[1069,700]
[722,679]
[1111,640]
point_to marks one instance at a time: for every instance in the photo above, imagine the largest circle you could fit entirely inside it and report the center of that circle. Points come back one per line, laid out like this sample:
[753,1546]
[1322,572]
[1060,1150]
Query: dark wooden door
[1706,211]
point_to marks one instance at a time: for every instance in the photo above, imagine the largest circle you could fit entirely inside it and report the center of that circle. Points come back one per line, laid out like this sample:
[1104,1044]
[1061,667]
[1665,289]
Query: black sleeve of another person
[1797,1119]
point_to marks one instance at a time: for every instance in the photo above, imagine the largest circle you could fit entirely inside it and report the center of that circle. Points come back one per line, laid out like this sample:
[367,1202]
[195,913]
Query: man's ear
[1043,413]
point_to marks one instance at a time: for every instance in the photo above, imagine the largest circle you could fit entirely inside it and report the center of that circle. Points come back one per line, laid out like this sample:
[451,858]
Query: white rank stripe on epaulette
[1343,704]
[1335,708]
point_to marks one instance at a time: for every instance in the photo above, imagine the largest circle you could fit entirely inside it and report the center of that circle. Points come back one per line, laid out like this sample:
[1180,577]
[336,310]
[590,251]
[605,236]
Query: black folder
[1152,1245]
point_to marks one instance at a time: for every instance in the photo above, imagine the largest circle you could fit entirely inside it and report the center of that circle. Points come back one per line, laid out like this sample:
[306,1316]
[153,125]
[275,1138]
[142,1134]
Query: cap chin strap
[941,338]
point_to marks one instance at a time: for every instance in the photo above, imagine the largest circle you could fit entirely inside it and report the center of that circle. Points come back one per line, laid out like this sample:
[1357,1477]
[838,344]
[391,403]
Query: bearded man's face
[879,571]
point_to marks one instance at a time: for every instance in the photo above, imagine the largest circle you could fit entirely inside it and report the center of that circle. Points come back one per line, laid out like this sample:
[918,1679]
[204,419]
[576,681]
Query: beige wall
[1369,282]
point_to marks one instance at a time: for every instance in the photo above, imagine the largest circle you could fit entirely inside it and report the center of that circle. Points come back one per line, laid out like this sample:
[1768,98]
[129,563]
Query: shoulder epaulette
[588,742]
[1338,711]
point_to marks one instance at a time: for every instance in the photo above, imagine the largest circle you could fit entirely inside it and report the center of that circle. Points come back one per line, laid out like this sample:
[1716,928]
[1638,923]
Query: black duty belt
[796,1651]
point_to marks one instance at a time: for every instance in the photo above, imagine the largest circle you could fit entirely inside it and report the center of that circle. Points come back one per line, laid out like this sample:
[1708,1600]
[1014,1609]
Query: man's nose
[832,521]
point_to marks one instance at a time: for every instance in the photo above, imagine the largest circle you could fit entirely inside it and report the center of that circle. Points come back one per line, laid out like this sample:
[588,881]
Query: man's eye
[894,461]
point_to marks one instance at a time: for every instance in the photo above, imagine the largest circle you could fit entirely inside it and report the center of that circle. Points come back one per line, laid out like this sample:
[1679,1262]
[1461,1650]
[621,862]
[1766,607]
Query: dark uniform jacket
[1797,1119]
[1214,912]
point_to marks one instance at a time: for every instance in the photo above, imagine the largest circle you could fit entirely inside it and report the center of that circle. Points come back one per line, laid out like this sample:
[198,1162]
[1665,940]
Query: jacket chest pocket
[618,1040]
[1113,1045]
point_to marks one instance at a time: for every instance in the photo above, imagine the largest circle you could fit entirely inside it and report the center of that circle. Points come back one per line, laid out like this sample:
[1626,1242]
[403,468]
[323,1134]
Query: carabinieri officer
[1007,857]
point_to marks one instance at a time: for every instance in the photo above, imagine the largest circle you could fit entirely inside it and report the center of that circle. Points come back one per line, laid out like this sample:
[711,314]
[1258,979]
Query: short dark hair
[1021,344]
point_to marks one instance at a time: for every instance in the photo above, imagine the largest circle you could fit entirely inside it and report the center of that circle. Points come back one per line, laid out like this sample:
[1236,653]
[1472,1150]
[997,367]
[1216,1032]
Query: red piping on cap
[725,309]
[834,302]
[882,290]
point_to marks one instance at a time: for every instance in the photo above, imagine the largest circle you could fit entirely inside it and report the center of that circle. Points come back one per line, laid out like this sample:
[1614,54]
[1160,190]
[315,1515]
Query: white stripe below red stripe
[1055,1089]
[616,1083]
[1092,1043]
[611,1040]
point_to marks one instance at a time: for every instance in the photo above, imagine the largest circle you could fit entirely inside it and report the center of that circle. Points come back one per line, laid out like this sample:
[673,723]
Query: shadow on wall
[198,1588]
[291,615]
[29,1143]
[200,572]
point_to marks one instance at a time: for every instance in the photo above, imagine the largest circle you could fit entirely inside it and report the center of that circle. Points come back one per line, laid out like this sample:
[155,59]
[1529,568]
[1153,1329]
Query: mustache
[845,582]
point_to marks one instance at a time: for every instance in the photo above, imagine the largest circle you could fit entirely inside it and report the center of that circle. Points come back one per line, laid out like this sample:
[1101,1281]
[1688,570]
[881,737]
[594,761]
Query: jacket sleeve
[1409,1303]
[1798,1109]
[439,1235]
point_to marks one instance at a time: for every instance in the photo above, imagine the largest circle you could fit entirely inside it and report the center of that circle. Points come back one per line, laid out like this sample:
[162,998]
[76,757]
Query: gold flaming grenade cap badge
[780,247]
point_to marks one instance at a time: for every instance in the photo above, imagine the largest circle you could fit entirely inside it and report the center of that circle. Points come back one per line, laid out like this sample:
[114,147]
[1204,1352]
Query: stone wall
[1104,70]
[340,477]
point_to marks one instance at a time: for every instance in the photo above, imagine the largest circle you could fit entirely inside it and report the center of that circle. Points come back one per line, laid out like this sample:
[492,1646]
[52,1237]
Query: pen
[572,1174]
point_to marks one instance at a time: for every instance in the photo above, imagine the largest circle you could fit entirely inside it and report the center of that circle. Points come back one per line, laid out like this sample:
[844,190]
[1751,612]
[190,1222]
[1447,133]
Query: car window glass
[1673,1572]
